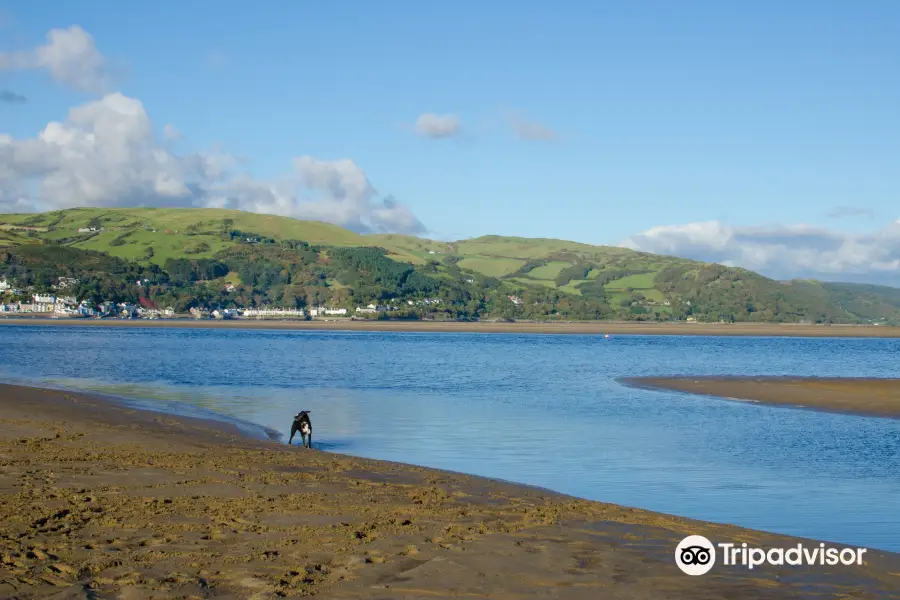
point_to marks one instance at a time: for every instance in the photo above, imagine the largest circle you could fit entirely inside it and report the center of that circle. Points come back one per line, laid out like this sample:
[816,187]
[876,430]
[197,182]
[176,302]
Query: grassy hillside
[170,232]
[871,303]
[569,277]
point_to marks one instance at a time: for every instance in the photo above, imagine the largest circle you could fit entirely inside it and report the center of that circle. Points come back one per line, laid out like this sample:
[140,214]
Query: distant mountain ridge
[299,263]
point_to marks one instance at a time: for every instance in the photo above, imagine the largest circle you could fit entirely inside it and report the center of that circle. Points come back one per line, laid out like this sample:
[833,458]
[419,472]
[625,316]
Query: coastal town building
[321,311]
[268,312]
[371,309]
[64,283]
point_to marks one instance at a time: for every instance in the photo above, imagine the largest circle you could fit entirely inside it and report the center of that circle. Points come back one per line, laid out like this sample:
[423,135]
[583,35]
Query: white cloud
[340,193]
[435,126]
[70,56]
[531,130]
[782,251]
[106,153]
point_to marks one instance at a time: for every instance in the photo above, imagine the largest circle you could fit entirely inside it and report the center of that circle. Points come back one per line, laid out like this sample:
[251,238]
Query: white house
[85,309]
[370,308]
[4,285]
[66,282]
[321,311]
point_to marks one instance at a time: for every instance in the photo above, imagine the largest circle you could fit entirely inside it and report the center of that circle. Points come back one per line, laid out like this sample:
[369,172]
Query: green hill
[192,254]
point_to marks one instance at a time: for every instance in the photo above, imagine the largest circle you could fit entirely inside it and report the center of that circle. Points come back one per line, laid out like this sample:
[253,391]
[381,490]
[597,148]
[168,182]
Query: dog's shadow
[326,446]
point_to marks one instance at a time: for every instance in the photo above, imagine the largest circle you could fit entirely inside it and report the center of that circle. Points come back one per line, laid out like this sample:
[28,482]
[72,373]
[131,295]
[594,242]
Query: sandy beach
[98,500]
[873,397]
[593,328]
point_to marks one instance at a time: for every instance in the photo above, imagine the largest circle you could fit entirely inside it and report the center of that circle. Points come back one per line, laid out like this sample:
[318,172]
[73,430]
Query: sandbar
[99,500]
[862,396]
[612,328]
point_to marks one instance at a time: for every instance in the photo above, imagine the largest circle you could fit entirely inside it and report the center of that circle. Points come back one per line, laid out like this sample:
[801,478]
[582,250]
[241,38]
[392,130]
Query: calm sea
[538,409]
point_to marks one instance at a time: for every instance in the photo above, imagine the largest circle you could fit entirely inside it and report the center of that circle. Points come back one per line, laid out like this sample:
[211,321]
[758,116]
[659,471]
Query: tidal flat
[99,500]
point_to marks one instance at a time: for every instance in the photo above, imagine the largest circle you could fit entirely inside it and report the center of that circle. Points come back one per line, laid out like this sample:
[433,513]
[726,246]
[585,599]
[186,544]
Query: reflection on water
[543,409]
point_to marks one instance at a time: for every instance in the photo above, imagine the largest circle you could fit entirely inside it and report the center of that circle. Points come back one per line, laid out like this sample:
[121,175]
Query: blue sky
[778,121]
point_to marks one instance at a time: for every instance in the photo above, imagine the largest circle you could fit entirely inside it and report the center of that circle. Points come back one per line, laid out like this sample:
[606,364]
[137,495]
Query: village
[68,306]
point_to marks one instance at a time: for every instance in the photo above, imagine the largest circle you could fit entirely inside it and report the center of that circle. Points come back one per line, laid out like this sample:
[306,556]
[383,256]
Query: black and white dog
[304,426]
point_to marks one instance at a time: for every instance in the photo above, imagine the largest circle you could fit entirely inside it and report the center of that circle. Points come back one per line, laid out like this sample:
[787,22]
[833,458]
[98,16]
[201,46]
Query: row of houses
[43,303]
[265,312]
[69,306]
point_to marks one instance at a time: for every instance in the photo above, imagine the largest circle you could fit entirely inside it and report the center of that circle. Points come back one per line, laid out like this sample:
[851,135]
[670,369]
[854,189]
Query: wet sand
[873,397]
[98,500]
[593,327]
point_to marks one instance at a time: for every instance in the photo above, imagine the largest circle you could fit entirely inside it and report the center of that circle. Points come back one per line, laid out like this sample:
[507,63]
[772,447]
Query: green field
[409,248]
[572,286]
[177,221]
[492,267]
[527,281]
[524,248]
[653,294]
[643,281]
[548,271]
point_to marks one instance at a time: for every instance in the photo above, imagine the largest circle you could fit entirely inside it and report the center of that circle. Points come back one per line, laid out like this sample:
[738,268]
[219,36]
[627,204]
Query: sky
[761,135]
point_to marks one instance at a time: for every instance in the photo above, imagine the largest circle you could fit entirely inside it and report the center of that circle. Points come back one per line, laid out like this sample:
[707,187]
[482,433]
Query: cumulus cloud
[106,153]
[335,191]
[531,130]
[436,127]
[70,56]
[782,251]
[9,97]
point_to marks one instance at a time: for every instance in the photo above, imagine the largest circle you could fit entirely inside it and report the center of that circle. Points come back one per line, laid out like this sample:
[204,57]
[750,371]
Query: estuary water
[544,410]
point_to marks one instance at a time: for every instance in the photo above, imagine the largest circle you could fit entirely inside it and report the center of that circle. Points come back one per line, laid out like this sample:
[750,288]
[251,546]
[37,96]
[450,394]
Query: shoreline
[578,328]
[860,396]
[101,498]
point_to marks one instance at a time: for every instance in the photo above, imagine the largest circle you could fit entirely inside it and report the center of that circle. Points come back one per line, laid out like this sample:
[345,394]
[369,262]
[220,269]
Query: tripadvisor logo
[696,555]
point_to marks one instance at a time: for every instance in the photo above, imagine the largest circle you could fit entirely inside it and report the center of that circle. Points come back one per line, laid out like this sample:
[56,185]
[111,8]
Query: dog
[304,426]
